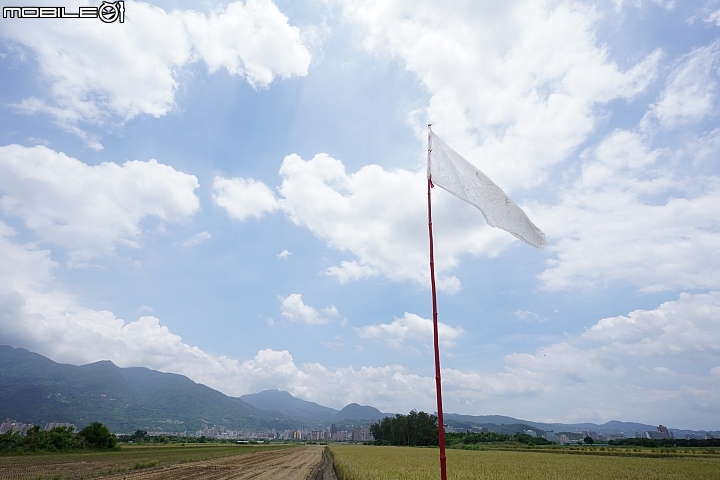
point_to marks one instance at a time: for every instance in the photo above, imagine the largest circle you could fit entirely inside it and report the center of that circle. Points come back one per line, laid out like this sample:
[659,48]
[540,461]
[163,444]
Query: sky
[235,191]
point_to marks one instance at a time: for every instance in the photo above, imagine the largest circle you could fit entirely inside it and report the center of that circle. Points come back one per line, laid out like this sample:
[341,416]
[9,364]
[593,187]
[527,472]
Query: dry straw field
[360,462]
[168,463]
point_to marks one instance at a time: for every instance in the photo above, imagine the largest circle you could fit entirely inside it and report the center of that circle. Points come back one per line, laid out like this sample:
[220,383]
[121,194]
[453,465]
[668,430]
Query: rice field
[364,462]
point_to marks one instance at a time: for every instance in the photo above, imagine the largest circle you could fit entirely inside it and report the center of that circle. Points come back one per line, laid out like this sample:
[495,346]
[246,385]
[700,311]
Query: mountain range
[35,389]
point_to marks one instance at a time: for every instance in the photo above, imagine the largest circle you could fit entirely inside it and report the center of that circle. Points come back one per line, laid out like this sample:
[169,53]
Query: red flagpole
[441,426]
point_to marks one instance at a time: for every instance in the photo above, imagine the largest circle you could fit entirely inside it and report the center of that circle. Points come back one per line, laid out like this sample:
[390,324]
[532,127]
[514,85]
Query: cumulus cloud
[102,74]
[284,254]
[628,217]
[251,39]
[381,217]
[691,91]
[90,209]
[515,86]
[410,327]
[243,198]
[293,308]
[689,326]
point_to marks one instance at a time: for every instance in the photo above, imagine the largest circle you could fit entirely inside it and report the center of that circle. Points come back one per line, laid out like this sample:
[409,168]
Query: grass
[46,466]
[149,464]
[363,462]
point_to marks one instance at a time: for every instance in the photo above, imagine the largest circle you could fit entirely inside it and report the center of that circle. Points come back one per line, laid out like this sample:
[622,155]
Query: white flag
[447,169]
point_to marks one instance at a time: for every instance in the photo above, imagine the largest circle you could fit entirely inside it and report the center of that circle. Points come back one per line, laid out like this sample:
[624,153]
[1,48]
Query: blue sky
[235,192]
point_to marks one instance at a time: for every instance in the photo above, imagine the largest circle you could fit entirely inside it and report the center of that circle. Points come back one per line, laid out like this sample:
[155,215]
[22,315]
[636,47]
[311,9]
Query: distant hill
[359,412]
[285,403]
[35,389]
[628,428]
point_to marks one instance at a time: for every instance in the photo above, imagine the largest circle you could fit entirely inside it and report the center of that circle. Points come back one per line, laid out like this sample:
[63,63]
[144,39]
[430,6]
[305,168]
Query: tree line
[471,438]
[420,429]
[666,442]
[142,437]
[95,436]
[417,429]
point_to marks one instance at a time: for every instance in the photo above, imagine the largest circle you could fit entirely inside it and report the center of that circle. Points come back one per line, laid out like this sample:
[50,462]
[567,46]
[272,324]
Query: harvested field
[290,464]
[165,464]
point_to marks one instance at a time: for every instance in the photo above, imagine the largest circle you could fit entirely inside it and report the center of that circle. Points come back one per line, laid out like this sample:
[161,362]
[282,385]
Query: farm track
[290,464]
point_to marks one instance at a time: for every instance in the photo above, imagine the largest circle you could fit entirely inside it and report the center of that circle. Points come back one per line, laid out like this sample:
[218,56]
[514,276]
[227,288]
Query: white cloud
[103,74]
[243,198]
[197,239]
[284,254]
[337,344]
[526,314]
[712,17]
[251,39]
[90,209]
[625,219]
[691,91]
[380,216]
[410,327]
[293,308]
[689,326]
[23,268]
[515,86]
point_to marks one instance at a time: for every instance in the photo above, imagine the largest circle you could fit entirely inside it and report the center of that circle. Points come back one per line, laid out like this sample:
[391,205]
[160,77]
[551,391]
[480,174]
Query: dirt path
[290,464]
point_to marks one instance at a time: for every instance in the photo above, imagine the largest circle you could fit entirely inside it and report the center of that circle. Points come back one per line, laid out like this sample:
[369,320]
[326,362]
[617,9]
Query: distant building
[662,430]
[15,426]
[530,432]
[50,425]
[366,435]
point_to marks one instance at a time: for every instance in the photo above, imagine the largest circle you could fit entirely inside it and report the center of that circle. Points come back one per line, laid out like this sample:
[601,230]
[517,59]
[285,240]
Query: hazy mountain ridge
[35,389]
[285,403]
[611,427]
[355,411]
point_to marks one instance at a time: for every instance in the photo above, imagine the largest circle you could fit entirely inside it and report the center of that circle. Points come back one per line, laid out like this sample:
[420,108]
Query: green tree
[61,439]
[98,436]
[10,441]
[139,436]
[589,440]
[416,428]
